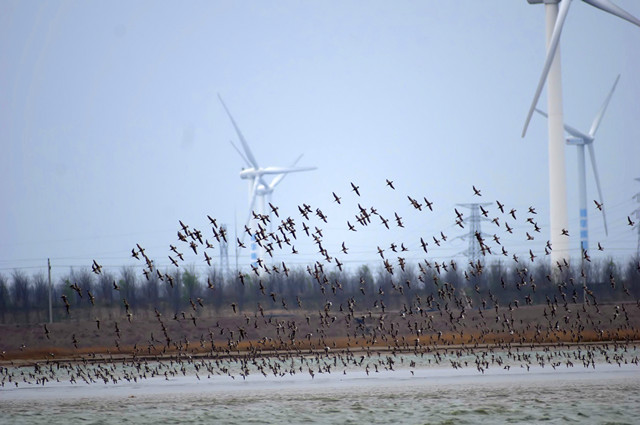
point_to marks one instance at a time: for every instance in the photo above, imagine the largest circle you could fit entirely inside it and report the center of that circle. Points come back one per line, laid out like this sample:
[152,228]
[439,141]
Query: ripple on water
[529,398]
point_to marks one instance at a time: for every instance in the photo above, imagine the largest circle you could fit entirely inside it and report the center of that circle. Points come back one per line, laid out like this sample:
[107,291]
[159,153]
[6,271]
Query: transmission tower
[475,251]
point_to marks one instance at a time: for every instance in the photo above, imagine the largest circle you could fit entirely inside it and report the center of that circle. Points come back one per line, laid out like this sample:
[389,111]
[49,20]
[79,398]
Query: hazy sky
[111,130]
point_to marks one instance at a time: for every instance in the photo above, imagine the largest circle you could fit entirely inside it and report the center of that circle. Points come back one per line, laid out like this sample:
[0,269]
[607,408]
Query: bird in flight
[476,191]
[355,189]
[385,221]
[424,244]
[509,229]
[390,184]
[274,209]
[97,268]
[598,204]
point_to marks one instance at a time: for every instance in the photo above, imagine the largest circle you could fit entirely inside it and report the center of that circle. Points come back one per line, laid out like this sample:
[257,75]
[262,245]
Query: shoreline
[152,336]
[90,355]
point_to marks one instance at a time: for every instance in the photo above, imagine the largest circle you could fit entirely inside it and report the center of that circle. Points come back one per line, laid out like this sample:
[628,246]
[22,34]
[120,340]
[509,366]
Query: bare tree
[214,291]
[150,291]
[5,300]
[173,290]
[191,285]
[632,278]
[40,293]
[127,284]
[83,282]
[21,293]
[105,288]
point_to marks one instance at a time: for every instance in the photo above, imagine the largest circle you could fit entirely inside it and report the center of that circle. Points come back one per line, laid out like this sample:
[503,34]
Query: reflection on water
[607,394]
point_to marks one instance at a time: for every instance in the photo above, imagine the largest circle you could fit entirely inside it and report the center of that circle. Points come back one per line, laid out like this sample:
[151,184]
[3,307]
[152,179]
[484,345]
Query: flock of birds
[430,321]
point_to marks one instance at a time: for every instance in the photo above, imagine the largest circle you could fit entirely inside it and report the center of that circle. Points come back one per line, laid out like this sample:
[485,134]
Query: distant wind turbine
[259,188]
[555,17]
[580,139]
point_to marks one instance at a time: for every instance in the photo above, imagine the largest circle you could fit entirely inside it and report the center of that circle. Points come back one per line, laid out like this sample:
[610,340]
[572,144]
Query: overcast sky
[111,129]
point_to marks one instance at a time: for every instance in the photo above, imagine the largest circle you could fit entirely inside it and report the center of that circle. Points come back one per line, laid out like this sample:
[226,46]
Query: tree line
[25,298]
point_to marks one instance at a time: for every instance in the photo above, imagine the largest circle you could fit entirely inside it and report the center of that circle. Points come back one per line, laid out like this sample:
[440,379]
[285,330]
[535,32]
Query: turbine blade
[241,154]
[284,170]
[541,112]
[276,180]
[270,221]
[293,164]
[263,181]
[279,177]
[254,193]
[551,52]
[571,130]
[595,174]
[609,6]
[577,133]
[598,118]
[244,143]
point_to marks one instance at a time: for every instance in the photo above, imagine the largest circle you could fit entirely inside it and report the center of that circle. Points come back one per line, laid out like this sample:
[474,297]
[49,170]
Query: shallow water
[431,395]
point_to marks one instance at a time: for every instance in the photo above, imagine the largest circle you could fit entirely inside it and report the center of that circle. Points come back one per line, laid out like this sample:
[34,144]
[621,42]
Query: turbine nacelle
[578,141]
[262,190]
[250,173]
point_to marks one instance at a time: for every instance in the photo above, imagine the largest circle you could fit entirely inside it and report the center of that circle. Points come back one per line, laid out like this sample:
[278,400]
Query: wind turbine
[556,13]
[580,140]
[259,188]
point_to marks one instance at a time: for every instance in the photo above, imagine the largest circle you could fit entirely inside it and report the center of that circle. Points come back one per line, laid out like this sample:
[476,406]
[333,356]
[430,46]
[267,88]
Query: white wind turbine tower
[580,140]
[556,13]
[259,188]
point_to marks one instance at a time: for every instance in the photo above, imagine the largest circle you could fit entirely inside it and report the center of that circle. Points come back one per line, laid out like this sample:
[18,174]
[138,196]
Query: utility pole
[636,214]
[224,253]
[50,310]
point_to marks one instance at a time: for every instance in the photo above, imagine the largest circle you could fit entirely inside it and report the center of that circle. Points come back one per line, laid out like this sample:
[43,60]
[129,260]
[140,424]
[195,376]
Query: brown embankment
[229,335]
